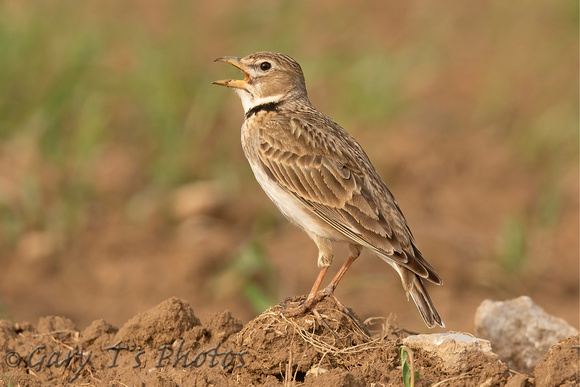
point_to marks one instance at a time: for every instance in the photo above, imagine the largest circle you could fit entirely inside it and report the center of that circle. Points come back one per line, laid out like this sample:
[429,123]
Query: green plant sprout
[409,374]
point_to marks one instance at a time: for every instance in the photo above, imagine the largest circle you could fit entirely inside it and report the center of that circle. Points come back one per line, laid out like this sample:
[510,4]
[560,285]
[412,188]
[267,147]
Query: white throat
[248,102]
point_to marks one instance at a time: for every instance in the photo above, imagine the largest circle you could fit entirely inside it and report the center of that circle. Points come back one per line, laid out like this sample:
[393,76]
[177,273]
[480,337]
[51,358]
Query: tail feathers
[415,287]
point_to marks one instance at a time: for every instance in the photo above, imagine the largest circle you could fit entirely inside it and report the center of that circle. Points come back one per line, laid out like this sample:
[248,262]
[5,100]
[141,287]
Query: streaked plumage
[321,178]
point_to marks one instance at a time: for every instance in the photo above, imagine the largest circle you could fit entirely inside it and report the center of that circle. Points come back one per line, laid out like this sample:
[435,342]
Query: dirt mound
[169,346]
[330,346]
[561,365]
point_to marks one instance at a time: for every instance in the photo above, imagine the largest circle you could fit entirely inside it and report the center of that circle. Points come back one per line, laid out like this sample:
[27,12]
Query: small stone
[315,371]
[520,331]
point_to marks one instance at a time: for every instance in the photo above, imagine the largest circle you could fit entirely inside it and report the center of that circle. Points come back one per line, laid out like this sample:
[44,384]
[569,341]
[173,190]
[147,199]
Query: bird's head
[269,77]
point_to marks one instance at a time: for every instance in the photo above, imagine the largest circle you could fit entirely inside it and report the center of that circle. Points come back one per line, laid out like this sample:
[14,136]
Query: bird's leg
[311,300]
[355,251]
[354,254]
[315,295]
[324,260]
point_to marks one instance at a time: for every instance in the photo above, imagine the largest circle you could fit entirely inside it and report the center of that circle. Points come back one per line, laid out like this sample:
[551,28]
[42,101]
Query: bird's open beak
[235,83]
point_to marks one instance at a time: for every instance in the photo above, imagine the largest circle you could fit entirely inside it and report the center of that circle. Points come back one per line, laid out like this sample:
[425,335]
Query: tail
[414,286]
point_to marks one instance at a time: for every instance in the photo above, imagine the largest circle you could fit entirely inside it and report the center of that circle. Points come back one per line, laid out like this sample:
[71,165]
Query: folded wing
[336,190]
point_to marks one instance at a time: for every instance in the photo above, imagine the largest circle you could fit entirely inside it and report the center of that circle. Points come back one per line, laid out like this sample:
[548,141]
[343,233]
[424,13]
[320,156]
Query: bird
[322,180]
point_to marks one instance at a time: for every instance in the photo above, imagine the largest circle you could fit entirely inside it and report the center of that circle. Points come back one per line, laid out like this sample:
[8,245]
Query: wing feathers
[331,198]
[334,191]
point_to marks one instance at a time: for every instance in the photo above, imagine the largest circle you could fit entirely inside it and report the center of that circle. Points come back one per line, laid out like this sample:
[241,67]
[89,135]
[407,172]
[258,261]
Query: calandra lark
[321,179]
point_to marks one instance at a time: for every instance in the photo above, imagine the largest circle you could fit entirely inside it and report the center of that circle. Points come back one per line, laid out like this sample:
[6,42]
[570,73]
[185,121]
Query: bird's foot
[329,292]
[309,303]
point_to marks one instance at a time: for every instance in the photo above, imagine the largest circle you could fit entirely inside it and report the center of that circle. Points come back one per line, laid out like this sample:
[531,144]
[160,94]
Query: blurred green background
[122,181]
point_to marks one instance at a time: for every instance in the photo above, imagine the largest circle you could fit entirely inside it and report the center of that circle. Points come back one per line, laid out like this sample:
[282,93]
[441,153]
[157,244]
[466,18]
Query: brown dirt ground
[169,346]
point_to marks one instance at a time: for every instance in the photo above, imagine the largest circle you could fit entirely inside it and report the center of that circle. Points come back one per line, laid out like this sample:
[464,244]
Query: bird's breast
[287,203]
[250,139]
[292,208]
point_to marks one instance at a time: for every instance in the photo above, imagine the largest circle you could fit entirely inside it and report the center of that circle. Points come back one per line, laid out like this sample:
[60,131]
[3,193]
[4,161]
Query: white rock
[454,349]
[520,331]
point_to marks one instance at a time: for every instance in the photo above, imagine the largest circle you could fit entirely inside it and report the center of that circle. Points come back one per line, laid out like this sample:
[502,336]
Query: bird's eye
[264,66]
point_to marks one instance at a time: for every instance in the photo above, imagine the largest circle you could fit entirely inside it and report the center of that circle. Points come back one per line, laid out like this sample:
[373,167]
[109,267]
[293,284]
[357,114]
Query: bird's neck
[267,107]
[253,104]
[250,102]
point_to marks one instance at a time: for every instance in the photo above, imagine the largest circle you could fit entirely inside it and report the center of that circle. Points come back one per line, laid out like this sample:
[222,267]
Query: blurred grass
[250,266]
[82,82]
[73,87]
[513,244]
[251,273]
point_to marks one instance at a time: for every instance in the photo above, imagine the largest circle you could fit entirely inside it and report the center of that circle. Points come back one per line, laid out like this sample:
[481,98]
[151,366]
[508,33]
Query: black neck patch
[267,107]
